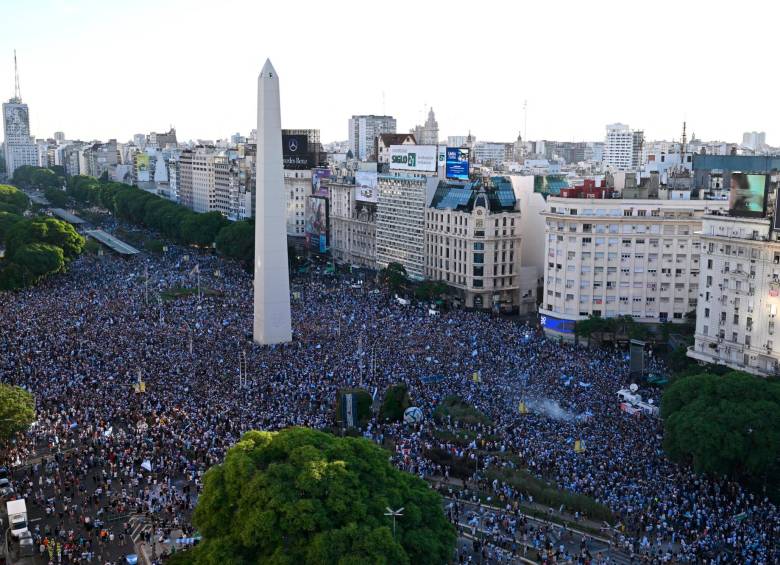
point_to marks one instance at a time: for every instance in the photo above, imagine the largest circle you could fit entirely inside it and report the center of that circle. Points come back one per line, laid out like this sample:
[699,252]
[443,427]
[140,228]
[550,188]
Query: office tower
[20,148]
[623,147]
[363,131]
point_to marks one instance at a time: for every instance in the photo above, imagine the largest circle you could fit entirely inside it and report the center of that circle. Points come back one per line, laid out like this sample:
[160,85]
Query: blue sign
[457,165]
[556,325]
[323,243]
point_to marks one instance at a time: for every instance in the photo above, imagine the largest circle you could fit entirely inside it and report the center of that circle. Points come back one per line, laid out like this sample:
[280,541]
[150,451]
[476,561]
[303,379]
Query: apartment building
[621,257]
[353,222]
[400,226]
[736,321]
[297,187]
[472,242]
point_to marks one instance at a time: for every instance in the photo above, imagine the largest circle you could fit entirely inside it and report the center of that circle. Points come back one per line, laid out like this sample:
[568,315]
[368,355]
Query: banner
[413,158]
[457,163]
[295,152]
[366,187]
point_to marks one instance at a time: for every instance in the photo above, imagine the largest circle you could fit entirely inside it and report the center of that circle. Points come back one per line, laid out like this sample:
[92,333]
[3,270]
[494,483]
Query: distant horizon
[98,70]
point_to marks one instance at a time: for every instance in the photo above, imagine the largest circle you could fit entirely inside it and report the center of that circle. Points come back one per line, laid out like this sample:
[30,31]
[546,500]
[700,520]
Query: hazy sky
[109,68]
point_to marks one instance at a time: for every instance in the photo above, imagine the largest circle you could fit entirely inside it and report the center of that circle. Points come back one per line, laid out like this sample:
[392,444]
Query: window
[479,246]
[479,257]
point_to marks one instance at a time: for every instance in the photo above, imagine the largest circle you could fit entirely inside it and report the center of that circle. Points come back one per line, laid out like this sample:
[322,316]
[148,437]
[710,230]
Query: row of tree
[232,239]
[39,178]
[34,247]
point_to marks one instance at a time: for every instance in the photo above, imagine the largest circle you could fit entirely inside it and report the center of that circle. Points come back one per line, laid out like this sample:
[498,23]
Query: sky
[100,69]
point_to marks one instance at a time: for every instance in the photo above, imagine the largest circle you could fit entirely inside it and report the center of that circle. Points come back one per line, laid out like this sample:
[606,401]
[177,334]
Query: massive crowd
[100,452]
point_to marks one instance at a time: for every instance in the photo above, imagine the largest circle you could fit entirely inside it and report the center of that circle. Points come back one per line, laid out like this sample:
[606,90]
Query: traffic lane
[572,542]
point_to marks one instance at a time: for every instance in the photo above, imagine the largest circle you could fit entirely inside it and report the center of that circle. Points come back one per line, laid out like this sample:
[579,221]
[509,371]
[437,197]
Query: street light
[394,513]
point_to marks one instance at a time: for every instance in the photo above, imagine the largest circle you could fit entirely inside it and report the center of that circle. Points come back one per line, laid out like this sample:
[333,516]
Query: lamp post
[394,513]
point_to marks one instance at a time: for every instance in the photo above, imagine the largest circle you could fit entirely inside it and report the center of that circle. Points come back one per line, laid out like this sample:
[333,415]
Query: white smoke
[552,409]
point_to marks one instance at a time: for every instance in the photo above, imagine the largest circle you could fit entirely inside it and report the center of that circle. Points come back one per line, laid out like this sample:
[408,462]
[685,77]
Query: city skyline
[199,72]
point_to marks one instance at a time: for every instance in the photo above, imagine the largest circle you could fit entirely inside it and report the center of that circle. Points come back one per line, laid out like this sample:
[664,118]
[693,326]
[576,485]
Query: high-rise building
[623,147]
[428,133]
[400,225]
[621,257]
[472,242]
[755,140]
[19,146]
[297,188]
[456,140]
[353,220]
[59,136]
[197,179]
[363,131]
[736,319]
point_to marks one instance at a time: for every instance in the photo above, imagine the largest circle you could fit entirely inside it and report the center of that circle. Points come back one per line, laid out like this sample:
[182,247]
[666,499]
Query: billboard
[747,196]
[365,187]
[457,163]
[316,226]
[413,158]
[295,152]
[776,225]
[319,182]
[556,325]
[142,167]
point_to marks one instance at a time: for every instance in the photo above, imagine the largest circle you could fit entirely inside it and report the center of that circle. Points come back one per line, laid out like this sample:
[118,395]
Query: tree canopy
[304,496]
[723,424]
[28,176]
[394,276]
[35,248]
[17,410]
[237,240]
[12,199]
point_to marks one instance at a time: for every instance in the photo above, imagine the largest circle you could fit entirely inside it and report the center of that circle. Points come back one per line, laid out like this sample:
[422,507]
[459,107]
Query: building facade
[428,133]
[352,223]
[623,147]
[472,242]
[616,257]
[19,147]
[297,188]
[400,225]
[363,131]
[736,320]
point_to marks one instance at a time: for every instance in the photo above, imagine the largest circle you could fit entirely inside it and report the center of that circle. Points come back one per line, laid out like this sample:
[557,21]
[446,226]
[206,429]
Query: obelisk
[272,286]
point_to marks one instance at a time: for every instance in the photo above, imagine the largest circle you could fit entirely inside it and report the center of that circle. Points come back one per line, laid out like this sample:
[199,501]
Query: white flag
[147,465]
[195,269]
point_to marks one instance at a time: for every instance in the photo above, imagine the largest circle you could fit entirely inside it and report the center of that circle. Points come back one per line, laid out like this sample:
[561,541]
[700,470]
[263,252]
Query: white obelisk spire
[272,286]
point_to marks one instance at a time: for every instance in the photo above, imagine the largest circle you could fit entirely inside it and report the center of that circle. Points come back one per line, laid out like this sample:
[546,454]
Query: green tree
[17,411]
[396,401]
[56,196]
[8,221]
[46,230]
[12,199]
[431,290]
[23,176]
[45,178]
[304,496]
[202,229]
[723,424]
[394,276]
[237,241]
[39,260]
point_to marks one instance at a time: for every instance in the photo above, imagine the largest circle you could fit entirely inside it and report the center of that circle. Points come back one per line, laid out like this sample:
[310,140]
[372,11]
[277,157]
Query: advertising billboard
[366,187]
[295,152]
[316,226]
[556,325]
[413,158]
[142,167]
[747,196]
[776,224]
[319,182]
[458,163]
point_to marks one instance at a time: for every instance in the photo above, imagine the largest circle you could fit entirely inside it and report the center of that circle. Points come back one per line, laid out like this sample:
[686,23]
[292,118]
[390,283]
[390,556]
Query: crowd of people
[99,451]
